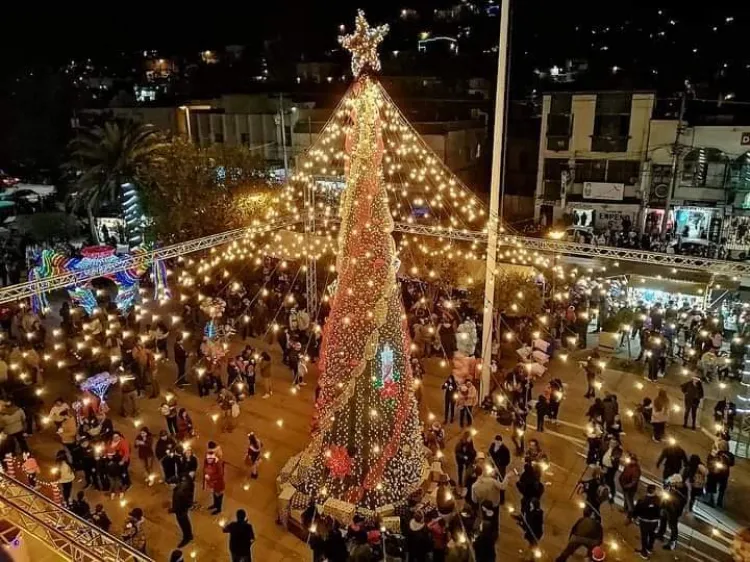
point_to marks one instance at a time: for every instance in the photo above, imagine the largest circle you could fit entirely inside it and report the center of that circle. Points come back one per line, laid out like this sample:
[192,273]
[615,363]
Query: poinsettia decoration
[338,461]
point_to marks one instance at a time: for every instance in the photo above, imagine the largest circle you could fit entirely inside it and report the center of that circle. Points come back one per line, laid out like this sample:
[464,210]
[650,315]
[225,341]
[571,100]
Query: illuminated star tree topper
[363,44]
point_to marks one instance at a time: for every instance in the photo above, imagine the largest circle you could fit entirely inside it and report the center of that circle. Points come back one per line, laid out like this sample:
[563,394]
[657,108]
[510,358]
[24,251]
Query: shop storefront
[603,216]
[689,222]
[651,290]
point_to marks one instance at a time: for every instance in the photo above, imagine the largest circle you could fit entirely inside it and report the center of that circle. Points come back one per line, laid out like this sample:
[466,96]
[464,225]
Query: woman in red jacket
[213,470]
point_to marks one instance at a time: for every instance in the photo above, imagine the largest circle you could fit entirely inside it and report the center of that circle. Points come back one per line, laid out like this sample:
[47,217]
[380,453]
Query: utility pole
[283,136]
[675,163]
[494,219]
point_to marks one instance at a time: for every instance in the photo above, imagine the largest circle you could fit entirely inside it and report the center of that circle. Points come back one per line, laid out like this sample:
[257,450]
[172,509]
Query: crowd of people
[96,451]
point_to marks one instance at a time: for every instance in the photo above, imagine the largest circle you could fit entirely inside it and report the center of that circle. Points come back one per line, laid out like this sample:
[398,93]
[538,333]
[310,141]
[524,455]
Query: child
[30,468]
[542,408]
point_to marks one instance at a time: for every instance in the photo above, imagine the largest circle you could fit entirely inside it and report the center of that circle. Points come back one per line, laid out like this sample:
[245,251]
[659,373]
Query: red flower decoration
[339,462]
[389,390]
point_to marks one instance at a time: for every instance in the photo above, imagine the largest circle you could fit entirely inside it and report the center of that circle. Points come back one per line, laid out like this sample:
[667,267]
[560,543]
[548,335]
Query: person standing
[213,479]
[672,504]
[65,475]
[674,459]
[500,455]
[629,479]
[660,415]
[646,512]
[694,476]
[254,447]
[241,538]
[465,455]
[144,444]
[693,393]
[180,357]
[467,399]
[450,392]
[264,370]
[182,501]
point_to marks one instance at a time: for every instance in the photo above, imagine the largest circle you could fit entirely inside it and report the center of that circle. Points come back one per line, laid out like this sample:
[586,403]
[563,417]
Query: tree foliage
[192,191]
[516,293]
[106,157]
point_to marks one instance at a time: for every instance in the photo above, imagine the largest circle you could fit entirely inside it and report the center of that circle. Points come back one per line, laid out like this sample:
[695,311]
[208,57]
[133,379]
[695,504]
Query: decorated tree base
[293,500]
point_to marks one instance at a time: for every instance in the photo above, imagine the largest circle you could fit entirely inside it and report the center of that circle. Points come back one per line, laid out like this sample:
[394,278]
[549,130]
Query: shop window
[705,167]
[739,174]
[623,171]
[590,170]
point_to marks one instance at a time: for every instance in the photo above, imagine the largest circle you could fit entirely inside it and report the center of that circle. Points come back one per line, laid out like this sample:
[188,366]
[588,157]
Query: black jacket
[674,459]
[500,456]
[182,496]
[647,509]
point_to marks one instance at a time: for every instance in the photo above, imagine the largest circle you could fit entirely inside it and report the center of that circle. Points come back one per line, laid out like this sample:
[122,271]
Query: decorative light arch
[51,263]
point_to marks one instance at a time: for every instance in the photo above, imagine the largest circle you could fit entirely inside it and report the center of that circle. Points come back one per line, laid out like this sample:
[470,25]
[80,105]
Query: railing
[65,533]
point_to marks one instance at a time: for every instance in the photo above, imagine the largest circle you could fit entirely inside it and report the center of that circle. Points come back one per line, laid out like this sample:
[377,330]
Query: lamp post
[494,218]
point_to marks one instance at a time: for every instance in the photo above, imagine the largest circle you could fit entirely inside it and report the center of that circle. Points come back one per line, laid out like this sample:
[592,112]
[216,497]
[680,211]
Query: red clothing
[214,476]
[122,449]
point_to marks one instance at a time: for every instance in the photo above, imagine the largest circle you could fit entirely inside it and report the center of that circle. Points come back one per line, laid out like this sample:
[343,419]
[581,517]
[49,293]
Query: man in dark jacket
[418,540]
[500,455]
[673,502]
[674,458]
[647,511]
[180,357]
[693,393]
[182,501]
[586,532]
[241,538]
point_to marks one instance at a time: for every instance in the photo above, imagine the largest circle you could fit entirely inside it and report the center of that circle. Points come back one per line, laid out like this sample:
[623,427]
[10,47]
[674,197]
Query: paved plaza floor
[283,423]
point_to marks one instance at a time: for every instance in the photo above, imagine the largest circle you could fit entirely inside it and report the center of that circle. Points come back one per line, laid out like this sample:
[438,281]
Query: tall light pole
[496,180]
[283,137]
[675,167]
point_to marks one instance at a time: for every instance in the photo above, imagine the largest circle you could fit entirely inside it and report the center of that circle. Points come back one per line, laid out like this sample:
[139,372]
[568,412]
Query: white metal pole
[283,137]
[494,220]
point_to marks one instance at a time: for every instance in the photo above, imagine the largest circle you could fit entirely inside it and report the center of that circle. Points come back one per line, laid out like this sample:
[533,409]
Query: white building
[605,159]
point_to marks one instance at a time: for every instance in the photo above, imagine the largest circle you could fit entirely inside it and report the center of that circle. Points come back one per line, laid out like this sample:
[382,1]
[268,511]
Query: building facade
[605,160]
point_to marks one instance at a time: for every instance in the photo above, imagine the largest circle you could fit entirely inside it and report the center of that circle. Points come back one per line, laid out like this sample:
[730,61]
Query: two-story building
[605,159]
[591,154]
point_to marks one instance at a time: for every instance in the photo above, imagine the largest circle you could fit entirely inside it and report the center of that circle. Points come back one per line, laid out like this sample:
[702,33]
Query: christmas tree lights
[366,447]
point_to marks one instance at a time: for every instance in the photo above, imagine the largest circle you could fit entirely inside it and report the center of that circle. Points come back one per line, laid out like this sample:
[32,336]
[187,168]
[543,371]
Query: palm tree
[107,158]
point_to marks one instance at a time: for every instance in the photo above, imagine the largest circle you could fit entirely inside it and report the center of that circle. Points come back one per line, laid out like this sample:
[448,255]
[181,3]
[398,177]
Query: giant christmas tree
[366,445]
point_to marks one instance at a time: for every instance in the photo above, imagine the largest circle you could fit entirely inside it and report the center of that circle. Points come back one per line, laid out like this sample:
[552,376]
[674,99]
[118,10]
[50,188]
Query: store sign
[603,190]
[745,139]
[614,219]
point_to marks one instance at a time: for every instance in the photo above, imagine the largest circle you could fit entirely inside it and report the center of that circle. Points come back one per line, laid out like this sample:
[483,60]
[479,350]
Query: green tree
[108,157]
[190,192]
[516,293]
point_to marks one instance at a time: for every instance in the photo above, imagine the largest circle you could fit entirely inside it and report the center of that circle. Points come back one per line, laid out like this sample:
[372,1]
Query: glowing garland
[94,259]
[366,411]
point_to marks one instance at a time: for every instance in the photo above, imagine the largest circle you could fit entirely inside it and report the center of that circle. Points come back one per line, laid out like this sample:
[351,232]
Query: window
[590,170]
[552,174]
[623,171]
[245,139]
[559,122]
[704,167]
[661,174]
[219,137]
[611,123]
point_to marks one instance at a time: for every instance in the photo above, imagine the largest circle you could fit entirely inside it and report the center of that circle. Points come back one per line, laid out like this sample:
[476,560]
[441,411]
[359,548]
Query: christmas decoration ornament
[363,44]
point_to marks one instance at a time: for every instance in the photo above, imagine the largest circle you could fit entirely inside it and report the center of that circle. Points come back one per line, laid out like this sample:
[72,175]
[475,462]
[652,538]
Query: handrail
[66,533]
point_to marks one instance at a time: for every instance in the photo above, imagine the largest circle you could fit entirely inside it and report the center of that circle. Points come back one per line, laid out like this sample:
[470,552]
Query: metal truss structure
[546,245]
[25,290]
[66,534]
